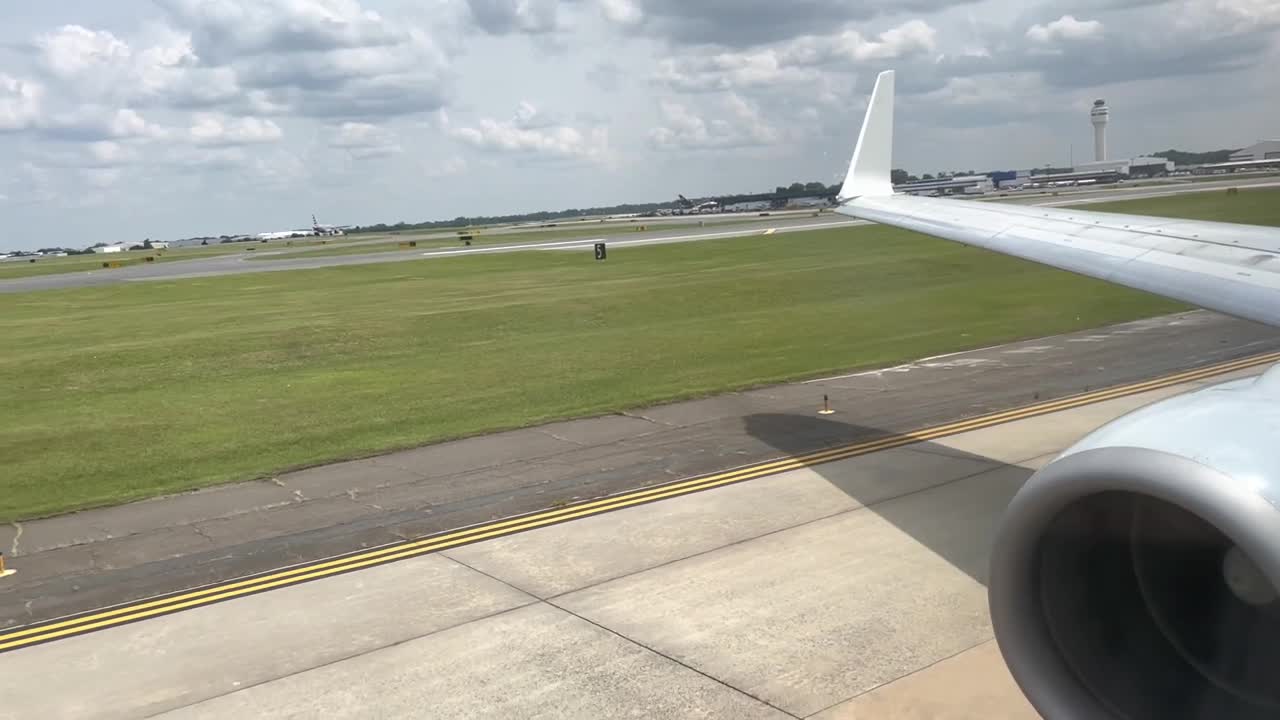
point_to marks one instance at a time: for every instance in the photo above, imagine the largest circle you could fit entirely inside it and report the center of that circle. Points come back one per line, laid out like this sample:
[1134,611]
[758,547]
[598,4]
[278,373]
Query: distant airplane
[319,229]
[1137,575]
[687,206]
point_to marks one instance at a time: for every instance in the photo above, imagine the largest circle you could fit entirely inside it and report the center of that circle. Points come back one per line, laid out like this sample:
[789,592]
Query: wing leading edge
[1226,267]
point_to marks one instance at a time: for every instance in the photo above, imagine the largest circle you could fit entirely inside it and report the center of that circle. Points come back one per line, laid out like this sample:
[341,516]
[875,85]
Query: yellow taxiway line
[131,612]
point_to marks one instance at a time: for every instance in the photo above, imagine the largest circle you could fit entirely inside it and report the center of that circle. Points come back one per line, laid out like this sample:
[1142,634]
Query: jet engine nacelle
[1137,575]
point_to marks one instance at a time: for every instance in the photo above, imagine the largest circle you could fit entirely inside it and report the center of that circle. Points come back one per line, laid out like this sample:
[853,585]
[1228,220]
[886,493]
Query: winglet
[869,172]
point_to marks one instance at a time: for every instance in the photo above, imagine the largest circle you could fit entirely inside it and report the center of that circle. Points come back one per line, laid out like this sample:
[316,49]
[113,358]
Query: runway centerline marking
[188,599]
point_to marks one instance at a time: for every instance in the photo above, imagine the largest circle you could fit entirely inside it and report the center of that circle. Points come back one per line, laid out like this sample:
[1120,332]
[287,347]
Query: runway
[787,222]
[845,587]
[239,264]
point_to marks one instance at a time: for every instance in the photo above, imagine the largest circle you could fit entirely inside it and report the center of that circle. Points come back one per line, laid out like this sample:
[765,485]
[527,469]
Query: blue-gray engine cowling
[1136,575]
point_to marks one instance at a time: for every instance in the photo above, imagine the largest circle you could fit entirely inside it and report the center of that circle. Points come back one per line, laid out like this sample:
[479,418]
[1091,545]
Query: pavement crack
[672,659]
[351,494]
[561,438]
[639,416]
[17,535]
[200,531]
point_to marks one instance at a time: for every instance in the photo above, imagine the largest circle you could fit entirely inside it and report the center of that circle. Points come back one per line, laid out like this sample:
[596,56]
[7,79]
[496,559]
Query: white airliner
[1138,574]
[319,229]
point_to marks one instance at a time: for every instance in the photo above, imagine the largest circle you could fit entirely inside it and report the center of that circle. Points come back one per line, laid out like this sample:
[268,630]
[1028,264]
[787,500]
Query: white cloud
[214,129]
[529,133]
[622,12]
[796,60]
[1065,28]
[72,50]
[108,153]
[1247,14]
[684,129]
[90,123]
[20,103]
[308,57]
[97,65]
[909,38]
[364,140]
[500,17]
[754,23]
[227,30]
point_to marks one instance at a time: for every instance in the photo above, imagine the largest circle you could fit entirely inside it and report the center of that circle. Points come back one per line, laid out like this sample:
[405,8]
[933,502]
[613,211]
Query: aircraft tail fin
[869,171]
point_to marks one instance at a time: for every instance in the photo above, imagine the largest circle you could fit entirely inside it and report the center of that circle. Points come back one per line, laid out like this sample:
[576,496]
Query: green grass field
[123,392]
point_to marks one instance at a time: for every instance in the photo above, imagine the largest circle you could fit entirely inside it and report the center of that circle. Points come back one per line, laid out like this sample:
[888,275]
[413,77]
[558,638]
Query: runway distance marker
[183,600]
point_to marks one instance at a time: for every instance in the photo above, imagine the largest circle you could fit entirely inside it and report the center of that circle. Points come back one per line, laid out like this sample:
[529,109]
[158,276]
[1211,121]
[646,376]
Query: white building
[118,247]
[1265,150]
[1136,167]
[959,184]
[1120,166]
[1149,166]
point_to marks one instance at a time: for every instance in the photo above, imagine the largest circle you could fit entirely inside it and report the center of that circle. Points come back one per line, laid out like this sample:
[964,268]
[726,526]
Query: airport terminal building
[1265,150]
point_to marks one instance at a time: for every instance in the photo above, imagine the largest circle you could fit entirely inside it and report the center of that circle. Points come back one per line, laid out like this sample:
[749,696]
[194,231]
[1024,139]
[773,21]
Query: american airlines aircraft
[1137,575]
[319,229]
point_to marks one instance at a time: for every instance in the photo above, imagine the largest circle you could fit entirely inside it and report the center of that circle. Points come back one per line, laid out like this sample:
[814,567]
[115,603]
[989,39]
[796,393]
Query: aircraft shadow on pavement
[948,500]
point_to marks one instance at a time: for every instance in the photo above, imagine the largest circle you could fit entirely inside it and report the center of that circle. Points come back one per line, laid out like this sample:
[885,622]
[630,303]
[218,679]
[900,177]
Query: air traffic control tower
[1100,115]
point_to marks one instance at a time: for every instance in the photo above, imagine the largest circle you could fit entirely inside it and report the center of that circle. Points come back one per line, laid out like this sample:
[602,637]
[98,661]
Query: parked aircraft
[1137,575]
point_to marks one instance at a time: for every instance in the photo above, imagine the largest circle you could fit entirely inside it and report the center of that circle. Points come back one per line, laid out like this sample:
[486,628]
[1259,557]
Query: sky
[175,118]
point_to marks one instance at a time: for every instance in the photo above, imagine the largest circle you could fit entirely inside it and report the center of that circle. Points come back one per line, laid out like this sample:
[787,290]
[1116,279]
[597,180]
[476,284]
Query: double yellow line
[400,551]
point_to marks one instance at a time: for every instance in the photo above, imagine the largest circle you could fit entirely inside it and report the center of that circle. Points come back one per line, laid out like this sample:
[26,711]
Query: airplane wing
[1226,267]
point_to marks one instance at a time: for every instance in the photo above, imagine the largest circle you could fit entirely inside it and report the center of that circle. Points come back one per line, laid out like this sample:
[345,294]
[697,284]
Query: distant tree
[912,178]
[898,177]
[926,176]
[815,187]
[796,187]
[146,244]
[206,241]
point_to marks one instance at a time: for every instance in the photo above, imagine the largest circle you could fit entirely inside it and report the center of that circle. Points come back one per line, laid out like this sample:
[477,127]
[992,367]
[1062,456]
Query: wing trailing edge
[1227,267]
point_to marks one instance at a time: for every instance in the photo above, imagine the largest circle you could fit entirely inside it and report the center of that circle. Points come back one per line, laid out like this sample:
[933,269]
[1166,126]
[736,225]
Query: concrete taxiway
[850,588]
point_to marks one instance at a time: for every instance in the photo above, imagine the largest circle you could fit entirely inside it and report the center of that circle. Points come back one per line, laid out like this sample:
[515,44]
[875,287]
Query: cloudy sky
[169,118]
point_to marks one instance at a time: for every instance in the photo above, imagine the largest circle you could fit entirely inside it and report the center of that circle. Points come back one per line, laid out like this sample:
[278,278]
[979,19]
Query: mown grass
[123,392]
